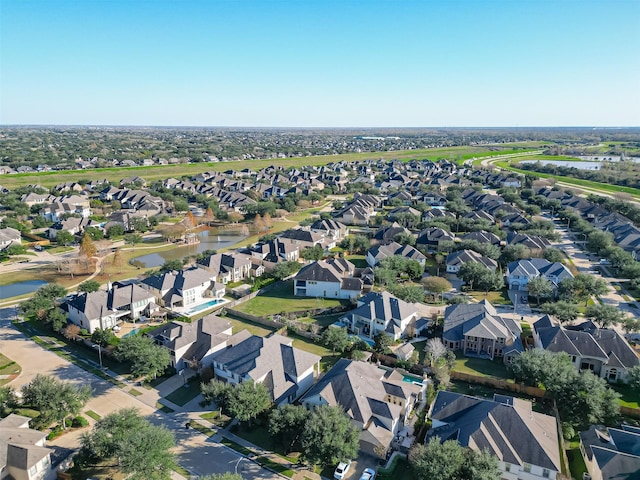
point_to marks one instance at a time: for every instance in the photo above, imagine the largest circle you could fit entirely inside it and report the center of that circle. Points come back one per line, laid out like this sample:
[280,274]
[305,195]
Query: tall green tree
[581,288]
[438,460]
[540,287]
[89,286]
[140,449]
[604,315]
[132,239]
[286,424]
[336,338]
[328,437]
[564,311]
[147,359]
[248,400]
[54,398]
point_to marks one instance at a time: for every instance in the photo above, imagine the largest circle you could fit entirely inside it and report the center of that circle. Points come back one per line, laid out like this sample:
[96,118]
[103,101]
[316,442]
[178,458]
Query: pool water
[204,306]
[411,379]
[131,333]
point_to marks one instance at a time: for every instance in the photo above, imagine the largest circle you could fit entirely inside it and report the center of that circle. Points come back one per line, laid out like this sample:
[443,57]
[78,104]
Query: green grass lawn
[328,357]
[484,368]
[419,346]
[399,470]
[259,435]
[576,463]
[183,395]
[201,428]
[322,320]
[629,397]
[135,393]
[8,367]
[214,417]
[495,298]
[239,324]
[358,260]
[92,414]
[280,299]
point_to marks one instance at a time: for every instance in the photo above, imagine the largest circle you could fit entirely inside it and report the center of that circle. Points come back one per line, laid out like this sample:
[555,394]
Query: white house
[9,236]
[23,451]
[183,288]
[328,279]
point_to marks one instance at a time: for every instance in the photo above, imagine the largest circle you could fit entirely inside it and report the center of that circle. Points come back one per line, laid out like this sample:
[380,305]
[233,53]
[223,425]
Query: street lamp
[99,354]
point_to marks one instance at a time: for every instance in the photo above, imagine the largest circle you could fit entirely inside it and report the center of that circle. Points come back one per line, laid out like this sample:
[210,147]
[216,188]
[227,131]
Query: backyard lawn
[481,367]
[358,260]
[328,357]
[280,299]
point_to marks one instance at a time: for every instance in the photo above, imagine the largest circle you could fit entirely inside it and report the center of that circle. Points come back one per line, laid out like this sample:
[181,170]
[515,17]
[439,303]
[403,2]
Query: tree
[553,254]
[438,460]
[89,286]
[216,392]
[481,465]
[42,302]
[312,253]
[540,287]
[286,424]
[118,259]
[170,265]
[435,350]
[381,341]
[408,293]
[56,318]
[478,276]
[55,399]
[115,231]
[71,332]
[328,437]
[285,269]
[139,448]
[147,359]
[94,233]
[582,287]
[102,337]
[189,221]
[511,253]
[633,377]
[132,239]
[436,286]
[208,216]
[248,400]
[598,241]
[64,238]
[258,224]
[87,247]
[405,238]
[562,310]
[604,315]
[8,401]
[336,338]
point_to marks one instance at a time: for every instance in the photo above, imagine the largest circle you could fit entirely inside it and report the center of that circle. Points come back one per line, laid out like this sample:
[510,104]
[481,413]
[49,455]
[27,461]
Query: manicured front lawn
[495,298]
[183,395]
[280,299]
[259,435]
[8,367]
[481,367]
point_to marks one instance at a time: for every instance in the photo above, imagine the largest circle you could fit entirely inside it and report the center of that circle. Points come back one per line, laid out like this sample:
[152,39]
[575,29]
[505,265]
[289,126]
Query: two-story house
[332,278]
[377,401]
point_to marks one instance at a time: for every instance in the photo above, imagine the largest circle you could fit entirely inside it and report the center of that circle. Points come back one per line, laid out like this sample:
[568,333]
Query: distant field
[157,172]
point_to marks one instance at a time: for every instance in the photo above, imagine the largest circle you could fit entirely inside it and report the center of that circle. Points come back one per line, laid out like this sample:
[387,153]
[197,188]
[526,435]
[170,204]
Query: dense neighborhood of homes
[436,218]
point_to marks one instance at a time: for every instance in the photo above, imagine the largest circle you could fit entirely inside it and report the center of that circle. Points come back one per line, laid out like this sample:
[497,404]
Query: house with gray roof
[9,236]
[184,288]
[193,345]
[433,238]
[479,331]
[379,252]
[599,350]
[105,309]
[612,453]
[525,441]
[521,272]
[23,451]
[455,260]
[229,267]
[377,401]
[381,312]
[285,371]
[333,278]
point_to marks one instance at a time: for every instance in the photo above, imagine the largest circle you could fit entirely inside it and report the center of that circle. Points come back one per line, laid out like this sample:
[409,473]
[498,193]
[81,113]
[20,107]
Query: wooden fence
[499,384]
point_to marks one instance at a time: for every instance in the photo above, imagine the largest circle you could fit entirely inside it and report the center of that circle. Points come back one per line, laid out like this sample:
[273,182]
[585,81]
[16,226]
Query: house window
[573,358]
[507,467]
[527,467]
[613,374]
[545,473]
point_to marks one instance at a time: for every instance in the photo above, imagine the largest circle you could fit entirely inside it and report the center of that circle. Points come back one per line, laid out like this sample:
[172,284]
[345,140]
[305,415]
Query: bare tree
[435,349]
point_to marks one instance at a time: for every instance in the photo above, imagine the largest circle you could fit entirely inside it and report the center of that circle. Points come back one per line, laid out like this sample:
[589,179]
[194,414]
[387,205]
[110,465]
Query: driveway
[195,452]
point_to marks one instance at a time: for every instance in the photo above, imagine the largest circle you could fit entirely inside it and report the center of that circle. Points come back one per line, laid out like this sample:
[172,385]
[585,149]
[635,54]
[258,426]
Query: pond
[20,288]
[210,239]
[564,163]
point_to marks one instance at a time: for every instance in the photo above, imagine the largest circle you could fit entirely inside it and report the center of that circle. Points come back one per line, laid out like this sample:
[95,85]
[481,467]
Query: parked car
[368,474]
[341,470]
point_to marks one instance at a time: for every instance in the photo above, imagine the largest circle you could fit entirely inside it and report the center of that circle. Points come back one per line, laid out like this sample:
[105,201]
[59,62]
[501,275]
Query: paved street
[196,452]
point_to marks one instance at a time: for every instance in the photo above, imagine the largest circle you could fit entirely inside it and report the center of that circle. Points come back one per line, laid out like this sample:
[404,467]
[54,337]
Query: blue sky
[307,63]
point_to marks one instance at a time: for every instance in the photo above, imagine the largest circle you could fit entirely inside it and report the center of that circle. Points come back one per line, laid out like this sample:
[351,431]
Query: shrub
[79,422]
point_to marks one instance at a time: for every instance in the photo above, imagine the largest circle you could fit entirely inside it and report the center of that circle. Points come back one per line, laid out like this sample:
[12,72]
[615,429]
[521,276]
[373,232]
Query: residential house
[612,453]
[482,237]
[521,272]
[388,233]
[381,312]
[330,229]
[182,288]
[9,236]
[532,242]
[332,278]
[432,239]
[285,371]
[455,260]
[105,309]
[229,267]
[193,345]
[479,331]
[599,350]
[379,252]
[377,401]
[23,451]
[525,441]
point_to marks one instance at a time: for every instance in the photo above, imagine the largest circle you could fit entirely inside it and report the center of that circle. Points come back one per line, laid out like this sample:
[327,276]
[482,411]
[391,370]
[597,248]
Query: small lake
[211,239]
[20,288]
[563,163]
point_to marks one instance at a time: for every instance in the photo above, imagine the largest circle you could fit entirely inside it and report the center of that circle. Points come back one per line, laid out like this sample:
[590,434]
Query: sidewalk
[300,474]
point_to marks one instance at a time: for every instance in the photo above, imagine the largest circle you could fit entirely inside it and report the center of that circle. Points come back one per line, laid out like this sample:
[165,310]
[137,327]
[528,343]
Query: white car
[341,470]
[368,474]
